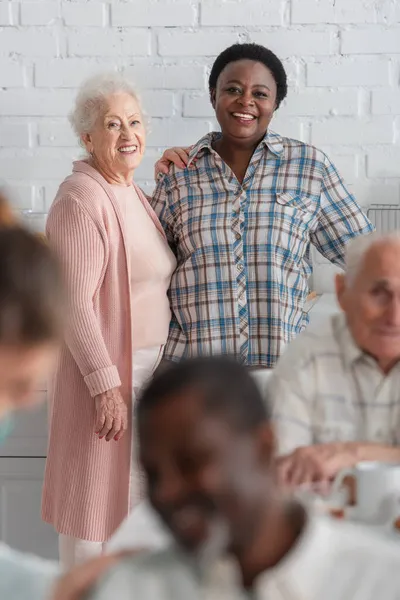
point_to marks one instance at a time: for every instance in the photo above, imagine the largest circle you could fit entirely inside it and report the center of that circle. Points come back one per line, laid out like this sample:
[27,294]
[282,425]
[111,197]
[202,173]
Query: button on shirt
[243,249]
[325,389]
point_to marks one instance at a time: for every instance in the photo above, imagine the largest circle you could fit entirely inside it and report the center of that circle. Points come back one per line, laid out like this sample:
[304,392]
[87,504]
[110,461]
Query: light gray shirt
[326,389]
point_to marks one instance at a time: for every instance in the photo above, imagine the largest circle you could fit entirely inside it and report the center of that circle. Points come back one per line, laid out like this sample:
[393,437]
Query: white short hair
[358,247]
[91,96]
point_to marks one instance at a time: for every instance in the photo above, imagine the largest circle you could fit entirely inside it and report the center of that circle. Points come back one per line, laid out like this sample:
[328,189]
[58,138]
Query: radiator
[385,217]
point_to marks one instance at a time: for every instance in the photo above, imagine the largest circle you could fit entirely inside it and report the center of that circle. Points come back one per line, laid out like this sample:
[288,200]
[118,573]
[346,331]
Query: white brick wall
[342,59]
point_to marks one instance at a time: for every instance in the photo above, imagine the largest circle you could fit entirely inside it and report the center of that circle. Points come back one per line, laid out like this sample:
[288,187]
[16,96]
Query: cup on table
[374,491]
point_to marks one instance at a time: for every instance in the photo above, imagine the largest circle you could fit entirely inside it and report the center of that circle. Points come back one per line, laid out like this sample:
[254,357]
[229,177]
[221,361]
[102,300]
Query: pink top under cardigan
[86,487]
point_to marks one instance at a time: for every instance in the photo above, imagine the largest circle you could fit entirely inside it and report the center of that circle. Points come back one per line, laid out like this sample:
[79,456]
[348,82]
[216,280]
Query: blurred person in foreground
[207,449]
[336,388]
[31,322]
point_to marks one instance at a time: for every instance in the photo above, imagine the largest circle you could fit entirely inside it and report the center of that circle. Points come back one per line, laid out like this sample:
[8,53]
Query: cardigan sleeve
[79,244]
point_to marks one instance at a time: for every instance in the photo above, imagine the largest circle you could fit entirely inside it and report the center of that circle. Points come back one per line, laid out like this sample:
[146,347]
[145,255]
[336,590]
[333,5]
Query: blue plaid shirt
[243,249]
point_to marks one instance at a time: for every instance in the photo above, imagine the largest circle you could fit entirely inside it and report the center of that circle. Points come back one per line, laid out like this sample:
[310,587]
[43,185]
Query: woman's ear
[86,140]
[213,96]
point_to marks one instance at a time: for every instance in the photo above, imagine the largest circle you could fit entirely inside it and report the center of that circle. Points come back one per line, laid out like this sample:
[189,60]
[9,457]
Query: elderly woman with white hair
[118,267]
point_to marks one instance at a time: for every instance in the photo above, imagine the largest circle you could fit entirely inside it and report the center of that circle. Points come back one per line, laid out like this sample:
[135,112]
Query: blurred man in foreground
[207,448]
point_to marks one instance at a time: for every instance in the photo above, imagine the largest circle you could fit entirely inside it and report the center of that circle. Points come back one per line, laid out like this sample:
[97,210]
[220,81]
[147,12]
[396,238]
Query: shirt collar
[273,141]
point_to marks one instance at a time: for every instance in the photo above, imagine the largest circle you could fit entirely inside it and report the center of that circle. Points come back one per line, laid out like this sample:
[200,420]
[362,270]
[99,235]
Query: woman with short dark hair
[242,221]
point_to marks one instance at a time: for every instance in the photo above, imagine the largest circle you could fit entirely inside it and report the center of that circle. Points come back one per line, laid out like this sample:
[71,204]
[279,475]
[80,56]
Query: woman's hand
[111,415]
[178,156]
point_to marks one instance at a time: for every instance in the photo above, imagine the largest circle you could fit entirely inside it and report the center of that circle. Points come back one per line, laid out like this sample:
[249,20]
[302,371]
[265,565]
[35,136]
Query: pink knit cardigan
[86,487]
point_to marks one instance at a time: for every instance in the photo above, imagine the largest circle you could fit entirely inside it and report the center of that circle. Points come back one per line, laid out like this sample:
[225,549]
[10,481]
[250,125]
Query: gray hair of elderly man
[358,247]
[91,97]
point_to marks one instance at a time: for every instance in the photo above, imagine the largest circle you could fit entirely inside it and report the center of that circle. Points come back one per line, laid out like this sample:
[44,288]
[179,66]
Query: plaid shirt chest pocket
[291,219]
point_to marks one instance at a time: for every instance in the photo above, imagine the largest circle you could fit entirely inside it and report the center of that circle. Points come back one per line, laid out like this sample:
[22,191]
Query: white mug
[377,491]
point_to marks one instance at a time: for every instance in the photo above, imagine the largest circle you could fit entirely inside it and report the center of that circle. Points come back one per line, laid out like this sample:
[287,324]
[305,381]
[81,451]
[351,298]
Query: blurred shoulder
[159,575]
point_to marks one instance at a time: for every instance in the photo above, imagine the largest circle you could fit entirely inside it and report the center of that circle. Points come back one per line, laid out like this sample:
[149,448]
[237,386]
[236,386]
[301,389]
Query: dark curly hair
[225,386]
[254,52]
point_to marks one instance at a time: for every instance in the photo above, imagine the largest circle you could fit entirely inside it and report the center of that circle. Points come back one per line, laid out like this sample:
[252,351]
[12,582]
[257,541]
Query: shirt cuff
[102,380]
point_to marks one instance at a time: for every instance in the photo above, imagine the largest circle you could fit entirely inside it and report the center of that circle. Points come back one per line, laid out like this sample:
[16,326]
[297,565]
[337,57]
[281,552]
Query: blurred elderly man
[336,390]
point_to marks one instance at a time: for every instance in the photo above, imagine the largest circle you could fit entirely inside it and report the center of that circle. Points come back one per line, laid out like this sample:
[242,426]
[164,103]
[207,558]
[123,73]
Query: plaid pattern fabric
[243,249]
[325,389]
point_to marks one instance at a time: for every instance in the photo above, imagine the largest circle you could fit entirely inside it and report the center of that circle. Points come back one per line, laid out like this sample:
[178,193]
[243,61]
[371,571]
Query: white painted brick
[197,105]
[168,77]
[368,192]
[139,13]
[21,196]
[109,43]
[386,102]
[347,167]
[28,43]
[373,40]
[379,130]
[202,43]
[36,103]
[319,102]
[250,12]
[289,127]
[158,104]
[8,13]
[56,133]
[383,162]
[348,72]
[145,171]
[50,192]
[295,43]
[84,15]
[333,11]
[23,168]
[11,74]
[39,13]
[67,72]
[293,70]
[14,134]
[176,132]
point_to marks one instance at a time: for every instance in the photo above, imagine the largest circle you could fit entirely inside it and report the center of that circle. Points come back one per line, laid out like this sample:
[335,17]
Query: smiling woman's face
[244,101]
[118,139]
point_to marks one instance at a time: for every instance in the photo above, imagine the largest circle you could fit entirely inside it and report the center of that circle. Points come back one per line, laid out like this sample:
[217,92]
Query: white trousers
[73,551]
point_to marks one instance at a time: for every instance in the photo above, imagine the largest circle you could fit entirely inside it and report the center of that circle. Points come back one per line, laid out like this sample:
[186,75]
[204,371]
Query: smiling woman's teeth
[244,116]
[128,149]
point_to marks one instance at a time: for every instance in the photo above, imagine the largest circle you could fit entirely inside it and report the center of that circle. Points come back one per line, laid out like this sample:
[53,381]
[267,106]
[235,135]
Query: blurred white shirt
[142,529]
[332,560]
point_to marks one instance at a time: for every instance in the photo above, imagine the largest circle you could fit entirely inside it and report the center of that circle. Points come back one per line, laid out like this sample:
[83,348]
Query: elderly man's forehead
[382,262]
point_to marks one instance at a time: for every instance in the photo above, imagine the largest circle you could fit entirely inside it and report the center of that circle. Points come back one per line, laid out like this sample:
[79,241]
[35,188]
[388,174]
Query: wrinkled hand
[319,463]
[178,156]
[111,415]
[77,583]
